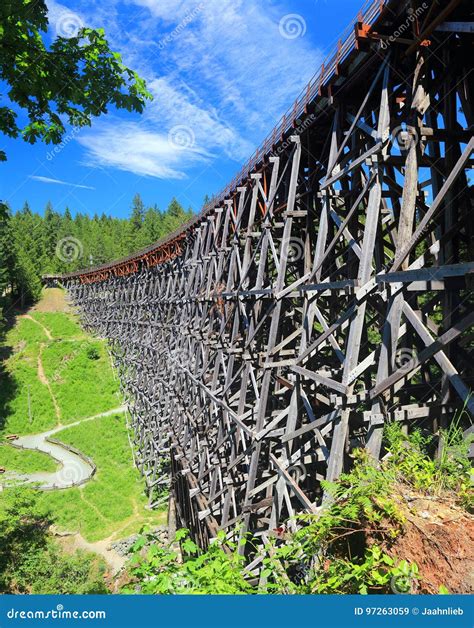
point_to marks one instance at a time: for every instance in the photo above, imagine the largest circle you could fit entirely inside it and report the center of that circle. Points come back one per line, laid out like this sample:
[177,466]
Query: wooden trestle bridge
[325,292]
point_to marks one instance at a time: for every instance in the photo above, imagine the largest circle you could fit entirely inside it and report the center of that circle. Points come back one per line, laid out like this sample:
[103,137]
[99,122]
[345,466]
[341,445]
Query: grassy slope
[112,503]
[82,386]
[21,460]
[20,381]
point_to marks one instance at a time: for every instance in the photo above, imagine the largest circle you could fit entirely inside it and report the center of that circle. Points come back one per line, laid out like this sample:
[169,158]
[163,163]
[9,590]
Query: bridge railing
[369,13]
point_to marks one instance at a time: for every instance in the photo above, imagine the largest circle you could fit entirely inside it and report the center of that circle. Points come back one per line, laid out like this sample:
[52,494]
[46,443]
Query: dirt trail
[45,329]
[44,380]
[52,300]
[71,542]
[41,374]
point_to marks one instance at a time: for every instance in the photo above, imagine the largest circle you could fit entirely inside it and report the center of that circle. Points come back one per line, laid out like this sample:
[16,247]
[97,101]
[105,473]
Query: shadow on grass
[8,386]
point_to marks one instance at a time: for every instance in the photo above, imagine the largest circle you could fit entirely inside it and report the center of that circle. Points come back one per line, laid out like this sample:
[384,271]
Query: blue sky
[222,73]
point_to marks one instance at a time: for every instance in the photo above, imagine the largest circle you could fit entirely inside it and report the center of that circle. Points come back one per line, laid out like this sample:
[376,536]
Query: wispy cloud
[59,182]
[227,75]
[129,146]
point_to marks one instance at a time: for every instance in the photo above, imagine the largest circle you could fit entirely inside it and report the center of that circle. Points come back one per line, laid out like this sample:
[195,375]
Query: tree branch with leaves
[70,82]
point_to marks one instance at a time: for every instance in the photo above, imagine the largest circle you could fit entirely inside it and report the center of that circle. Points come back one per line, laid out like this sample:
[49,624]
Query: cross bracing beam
[326,291]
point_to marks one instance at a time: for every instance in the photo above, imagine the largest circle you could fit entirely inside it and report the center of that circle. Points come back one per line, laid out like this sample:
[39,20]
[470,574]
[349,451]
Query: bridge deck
[326,291]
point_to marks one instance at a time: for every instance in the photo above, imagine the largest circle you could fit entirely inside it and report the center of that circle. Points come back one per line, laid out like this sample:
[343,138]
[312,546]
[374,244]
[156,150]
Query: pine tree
[152,225]
[51,228]
[176,210]
[138,213]
[6,259]
[32,240]
[26,209]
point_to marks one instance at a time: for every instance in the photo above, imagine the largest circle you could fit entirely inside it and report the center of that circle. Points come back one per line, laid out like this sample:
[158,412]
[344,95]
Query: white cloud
[227,74]
[63,21]
[59,182]
[236,58]
[132,147]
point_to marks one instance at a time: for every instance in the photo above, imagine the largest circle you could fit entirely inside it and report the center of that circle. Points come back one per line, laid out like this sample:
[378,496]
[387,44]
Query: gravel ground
[123,546]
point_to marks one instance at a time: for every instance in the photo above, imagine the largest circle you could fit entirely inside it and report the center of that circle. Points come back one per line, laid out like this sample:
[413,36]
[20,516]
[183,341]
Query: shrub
[92,352]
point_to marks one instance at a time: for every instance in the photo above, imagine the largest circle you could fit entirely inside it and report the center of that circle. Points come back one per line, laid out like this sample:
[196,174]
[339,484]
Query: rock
[123,546]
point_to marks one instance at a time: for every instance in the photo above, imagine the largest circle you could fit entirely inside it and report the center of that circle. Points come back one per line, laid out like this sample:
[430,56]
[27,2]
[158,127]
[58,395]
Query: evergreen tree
[31,241]
[138,213]
[52,228]
[152,225]
[6,259]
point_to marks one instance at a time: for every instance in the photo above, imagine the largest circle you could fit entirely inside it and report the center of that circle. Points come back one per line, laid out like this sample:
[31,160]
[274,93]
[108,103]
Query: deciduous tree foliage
[69,82]
[46,85]
[30,561]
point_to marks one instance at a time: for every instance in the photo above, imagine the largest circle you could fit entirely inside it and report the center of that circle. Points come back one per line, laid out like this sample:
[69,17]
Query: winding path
[74,469]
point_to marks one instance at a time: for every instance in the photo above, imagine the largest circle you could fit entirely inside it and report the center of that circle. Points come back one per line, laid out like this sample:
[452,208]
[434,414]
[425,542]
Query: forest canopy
[32,245]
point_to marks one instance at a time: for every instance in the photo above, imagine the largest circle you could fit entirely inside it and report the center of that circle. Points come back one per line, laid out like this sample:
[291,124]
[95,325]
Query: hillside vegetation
[55,375]
[34,244]
[404,525]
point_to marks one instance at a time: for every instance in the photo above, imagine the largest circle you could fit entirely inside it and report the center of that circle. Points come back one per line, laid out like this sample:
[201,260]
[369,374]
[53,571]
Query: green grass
[26,333]
[60,325]
[21,391]
[113,501]
[25,461]
[83,386]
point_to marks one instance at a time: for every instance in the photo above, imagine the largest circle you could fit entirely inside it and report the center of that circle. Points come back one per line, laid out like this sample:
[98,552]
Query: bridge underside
[326,295]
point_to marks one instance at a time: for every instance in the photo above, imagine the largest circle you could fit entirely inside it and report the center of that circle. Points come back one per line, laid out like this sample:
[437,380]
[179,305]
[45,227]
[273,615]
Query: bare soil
[53,300]
[439,537]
